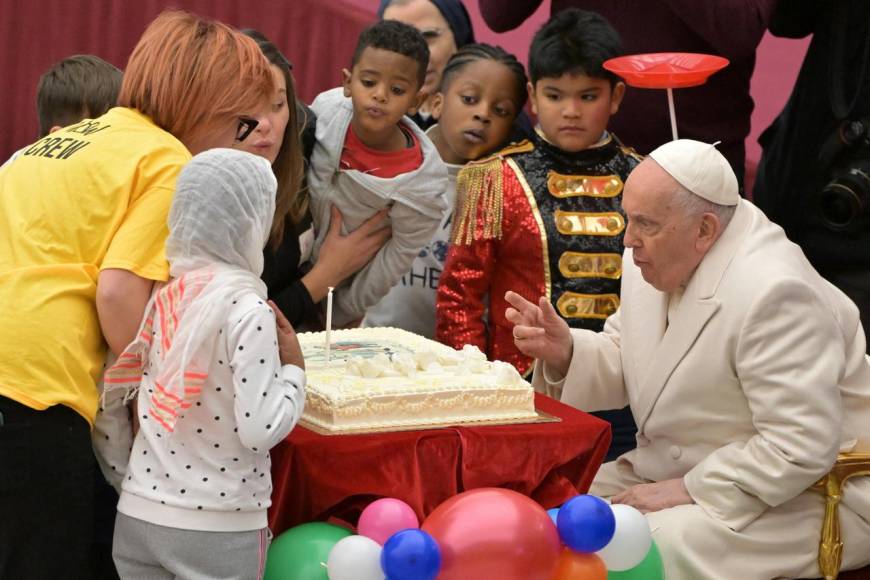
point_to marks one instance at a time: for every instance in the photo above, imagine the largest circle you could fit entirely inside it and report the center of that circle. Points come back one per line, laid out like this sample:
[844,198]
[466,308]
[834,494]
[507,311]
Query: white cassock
[747,387]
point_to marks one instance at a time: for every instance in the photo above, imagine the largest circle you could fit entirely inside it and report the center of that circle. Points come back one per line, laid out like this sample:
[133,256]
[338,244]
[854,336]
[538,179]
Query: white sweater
[213,472]
[416,200]
[410,304]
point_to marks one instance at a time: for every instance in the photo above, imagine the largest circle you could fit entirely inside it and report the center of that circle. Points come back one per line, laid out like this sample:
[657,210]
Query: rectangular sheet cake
[383,378]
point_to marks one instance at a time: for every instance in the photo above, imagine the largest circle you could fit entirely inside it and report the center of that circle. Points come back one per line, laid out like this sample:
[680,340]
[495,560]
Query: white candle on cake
[328,321]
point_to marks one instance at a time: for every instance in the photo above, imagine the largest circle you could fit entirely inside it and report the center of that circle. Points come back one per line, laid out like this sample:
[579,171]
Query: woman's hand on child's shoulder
[289,350]
[344,255]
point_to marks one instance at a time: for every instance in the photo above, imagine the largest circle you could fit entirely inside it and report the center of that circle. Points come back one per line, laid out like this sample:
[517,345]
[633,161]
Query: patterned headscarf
[219,222]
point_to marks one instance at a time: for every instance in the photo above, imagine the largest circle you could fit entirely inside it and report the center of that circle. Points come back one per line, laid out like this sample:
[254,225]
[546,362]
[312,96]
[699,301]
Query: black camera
[844,202]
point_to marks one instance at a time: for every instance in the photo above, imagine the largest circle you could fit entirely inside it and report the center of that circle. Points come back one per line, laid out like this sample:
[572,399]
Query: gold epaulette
[631,152]
[626,150]
[479,189]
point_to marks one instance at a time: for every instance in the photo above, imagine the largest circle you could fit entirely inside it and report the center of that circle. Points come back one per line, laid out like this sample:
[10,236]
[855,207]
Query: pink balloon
[494,533]
[384,517]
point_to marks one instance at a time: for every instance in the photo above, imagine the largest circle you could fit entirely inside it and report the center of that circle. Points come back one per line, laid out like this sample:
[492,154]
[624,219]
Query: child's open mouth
[474,136]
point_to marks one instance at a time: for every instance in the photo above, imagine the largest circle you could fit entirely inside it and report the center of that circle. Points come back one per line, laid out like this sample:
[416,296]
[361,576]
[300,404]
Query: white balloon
[631,540]
[355,558]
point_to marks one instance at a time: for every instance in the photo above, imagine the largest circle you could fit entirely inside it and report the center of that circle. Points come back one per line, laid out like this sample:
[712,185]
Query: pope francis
[745,370]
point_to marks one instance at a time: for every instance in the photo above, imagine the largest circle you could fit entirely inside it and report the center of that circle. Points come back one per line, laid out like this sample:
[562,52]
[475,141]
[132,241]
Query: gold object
[848,465]
[579,223]
[580,265]
[479,188]
[574,305]
[561,185]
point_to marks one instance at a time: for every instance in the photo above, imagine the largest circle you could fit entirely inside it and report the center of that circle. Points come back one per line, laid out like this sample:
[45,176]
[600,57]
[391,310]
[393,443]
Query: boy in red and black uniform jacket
[543,217]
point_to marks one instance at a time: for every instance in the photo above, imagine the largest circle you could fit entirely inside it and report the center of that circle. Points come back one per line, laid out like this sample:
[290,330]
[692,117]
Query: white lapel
[689,320]
[698,305]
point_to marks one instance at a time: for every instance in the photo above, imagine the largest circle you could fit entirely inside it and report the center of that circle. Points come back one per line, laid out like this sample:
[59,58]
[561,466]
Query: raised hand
[539,332]
[289,350]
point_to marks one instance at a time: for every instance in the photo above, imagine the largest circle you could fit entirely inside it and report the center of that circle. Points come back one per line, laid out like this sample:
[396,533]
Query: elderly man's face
[667,244]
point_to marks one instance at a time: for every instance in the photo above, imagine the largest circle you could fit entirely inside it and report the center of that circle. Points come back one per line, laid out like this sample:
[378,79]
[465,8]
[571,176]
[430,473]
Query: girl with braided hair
[482,90]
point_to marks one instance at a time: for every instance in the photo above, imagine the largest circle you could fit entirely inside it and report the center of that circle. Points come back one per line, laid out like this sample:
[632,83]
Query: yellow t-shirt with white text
[92,196]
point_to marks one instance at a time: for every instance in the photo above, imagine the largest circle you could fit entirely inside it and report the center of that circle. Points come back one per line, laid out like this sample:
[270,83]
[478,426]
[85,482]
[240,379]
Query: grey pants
[145,551]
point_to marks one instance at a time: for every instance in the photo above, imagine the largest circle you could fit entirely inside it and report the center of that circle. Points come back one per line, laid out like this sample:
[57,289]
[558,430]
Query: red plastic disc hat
[666,70]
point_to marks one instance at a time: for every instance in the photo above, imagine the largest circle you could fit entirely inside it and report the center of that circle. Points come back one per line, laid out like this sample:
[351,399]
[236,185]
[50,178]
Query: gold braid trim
[630,151]
[480,187]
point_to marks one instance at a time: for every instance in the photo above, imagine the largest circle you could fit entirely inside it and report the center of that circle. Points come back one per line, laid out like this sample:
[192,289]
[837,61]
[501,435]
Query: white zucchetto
[700,168]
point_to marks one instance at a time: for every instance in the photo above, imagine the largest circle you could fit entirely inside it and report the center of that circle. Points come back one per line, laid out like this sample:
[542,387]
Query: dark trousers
[46,493]
[622,428]
[105,512]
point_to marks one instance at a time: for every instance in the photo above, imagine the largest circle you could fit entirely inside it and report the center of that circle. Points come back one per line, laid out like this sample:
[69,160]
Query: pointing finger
[521,304]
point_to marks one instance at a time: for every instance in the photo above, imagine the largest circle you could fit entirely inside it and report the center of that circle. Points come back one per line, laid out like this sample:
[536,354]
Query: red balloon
[494,533]
[577,566]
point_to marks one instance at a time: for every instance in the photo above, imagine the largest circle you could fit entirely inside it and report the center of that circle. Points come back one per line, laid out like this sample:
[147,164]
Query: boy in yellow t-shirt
[96,220]
[78,87]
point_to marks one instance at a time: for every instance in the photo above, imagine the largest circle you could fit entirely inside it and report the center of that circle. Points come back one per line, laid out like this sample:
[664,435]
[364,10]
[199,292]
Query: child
[482,90]
[219,386]
[78,87]
[446,26]
[543,217]
[368,157]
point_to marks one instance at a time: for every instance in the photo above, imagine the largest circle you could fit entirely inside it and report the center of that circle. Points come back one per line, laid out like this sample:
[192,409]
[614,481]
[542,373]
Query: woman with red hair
[82,230]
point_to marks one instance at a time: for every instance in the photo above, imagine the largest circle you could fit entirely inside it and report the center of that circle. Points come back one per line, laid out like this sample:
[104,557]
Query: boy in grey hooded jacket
[368,156]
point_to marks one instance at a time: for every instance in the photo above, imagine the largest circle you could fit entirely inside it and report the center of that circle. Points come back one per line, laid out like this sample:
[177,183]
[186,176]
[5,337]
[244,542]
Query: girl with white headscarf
[219,384]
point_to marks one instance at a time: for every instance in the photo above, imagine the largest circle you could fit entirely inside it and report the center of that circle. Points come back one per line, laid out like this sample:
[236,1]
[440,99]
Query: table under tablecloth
[318,477]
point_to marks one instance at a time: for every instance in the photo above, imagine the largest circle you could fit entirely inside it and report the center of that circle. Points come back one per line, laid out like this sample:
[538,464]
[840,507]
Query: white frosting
[386,377]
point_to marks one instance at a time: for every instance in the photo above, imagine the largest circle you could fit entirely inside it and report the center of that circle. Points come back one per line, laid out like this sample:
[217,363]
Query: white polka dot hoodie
[213,472]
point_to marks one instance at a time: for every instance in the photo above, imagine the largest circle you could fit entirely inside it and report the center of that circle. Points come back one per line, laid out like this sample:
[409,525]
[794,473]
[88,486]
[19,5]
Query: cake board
[541,417]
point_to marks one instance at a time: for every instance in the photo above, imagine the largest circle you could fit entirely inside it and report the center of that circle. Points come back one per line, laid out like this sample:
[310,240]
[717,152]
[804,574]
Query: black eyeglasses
[246,127]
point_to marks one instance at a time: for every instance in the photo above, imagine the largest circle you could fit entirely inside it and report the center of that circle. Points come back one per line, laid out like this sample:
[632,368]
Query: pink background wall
[317,35]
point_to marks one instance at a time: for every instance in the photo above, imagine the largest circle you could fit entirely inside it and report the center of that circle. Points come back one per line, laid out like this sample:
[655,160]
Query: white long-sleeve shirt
[410,304]
[213,472]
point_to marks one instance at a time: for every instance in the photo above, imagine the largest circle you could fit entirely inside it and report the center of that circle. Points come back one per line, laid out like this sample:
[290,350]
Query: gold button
[612,224]
[609,308]
[561,184]
[573,266]
[609,269]
[571,308]
[612,187]
[565,224]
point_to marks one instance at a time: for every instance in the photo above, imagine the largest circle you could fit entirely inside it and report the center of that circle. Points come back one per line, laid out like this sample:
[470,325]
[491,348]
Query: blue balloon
[586,523]
[554,514]
[411,555]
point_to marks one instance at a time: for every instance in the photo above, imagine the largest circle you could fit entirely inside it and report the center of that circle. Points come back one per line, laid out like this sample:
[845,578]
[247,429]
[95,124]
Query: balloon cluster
[389,544]
[482,533]
[604,541]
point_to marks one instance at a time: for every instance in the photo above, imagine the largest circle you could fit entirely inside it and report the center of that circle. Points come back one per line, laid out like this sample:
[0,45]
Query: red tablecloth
[317,477]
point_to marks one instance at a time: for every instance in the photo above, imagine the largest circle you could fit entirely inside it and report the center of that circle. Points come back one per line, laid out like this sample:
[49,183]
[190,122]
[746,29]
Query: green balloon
[300,553]
[651,568]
